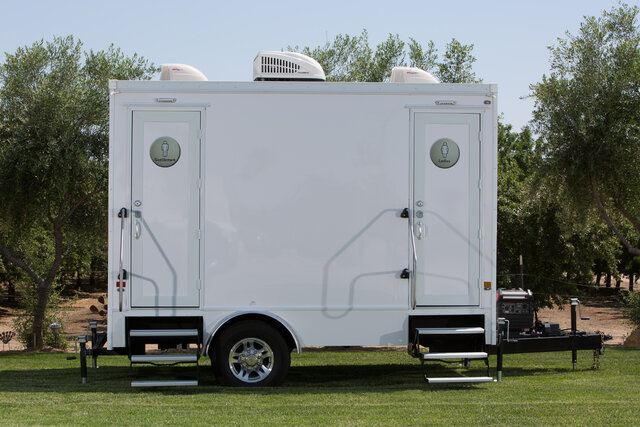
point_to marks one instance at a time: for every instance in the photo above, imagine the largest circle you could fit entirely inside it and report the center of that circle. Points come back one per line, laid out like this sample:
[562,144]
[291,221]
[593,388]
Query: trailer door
[446,209]
[165,220]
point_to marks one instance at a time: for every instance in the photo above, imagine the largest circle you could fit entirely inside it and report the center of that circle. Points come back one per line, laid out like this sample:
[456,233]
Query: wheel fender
[221,323]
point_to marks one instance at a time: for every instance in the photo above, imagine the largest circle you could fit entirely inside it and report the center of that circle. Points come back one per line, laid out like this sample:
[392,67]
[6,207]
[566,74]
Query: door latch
[406,273]
[124,275]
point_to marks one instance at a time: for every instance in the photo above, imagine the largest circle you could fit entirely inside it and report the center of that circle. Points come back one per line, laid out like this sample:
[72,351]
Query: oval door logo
[165,151]
[444,153]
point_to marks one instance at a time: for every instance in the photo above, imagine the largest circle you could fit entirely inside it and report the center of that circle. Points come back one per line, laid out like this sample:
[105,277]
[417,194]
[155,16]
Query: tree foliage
[350,58]
[588,114]
[557,251]
[54,153]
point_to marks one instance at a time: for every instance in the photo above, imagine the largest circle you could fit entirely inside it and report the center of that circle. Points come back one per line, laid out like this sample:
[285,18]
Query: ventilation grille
[276,65]
[273,65]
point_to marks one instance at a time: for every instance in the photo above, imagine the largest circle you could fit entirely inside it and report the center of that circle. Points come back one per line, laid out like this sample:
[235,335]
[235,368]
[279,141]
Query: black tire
[250,354]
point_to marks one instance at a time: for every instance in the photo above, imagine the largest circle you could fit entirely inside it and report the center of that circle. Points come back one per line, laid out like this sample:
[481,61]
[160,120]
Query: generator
[516,306]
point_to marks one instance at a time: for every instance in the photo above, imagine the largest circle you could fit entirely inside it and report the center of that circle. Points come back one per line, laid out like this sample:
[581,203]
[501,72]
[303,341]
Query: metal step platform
[174,383]
[460,355]
[164,358]
[138,338]
[449,380]
[450,331]
[164,333]
[442,355]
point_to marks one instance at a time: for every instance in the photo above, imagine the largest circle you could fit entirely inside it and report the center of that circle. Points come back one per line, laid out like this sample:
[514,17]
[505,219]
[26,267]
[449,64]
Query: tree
[587,112]
[532,221]
[456,66]
[54,152]
[350,58]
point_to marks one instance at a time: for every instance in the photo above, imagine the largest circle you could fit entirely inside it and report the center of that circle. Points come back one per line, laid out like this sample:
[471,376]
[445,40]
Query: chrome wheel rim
[251,360]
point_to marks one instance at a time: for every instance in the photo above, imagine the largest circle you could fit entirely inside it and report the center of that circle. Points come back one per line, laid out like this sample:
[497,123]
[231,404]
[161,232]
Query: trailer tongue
[520,333]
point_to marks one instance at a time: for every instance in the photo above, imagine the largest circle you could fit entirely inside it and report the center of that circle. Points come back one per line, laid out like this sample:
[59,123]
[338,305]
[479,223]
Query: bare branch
[596,195]
[18,262]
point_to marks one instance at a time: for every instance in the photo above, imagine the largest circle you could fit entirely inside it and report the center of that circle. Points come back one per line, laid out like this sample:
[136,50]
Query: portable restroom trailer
[258,218]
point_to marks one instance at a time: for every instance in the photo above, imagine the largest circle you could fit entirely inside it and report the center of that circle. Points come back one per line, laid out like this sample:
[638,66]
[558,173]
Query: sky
[221,39]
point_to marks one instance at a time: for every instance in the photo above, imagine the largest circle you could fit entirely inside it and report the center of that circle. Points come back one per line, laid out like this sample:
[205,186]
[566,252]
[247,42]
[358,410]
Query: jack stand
[93,325]
[501,324]
[83,358]
[574,329]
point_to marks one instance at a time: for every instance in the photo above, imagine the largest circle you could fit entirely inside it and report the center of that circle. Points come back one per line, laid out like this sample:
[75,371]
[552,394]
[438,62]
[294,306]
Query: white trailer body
[285,200]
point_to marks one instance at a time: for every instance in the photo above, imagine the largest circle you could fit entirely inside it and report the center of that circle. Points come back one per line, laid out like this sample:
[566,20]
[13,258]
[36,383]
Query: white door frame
[442,242]
[165,210]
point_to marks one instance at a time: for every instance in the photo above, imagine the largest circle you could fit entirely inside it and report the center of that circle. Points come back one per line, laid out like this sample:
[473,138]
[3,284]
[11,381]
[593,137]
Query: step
[457,355]
[450,331]
[164,383]
[163,333]
[163,358]
[446,380]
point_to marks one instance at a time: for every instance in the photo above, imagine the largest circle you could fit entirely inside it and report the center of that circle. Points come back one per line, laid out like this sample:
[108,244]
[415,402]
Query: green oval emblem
[165,151]
[444,153]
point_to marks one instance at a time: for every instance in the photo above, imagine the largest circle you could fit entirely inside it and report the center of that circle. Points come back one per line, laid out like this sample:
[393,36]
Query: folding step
[445,380]
[140,337]
[163,333]
[457,355]
[164,358]
[450,331]
[165,383]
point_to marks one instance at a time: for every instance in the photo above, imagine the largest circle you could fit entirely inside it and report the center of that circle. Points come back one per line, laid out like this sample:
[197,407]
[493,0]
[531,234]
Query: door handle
[138,229]
[419,230]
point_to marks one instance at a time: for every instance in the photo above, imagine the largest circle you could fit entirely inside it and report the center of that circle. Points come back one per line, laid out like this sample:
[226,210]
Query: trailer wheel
[251,354]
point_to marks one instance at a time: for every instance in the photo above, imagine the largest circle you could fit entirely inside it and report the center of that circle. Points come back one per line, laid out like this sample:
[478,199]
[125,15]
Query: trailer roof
[303,87]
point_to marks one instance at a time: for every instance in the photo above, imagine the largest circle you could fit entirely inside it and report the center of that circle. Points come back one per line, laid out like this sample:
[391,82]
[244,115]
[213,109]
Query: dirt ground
[76,314]
[605,315]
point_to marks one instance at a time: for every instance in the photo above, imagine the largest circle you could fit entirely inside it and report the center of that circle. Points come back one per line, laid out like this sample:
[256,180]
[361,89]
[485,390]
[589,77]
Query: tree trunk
[618,281]
[607,281]
[44,287]
[631,279]
[39,314]
[598,278]
[11,293]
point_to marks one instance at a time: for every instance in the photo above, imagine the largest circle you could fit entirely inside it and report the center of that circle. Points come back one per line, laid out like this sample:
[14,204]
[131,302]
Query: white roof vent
[411,75]
[181,72]
[276,65]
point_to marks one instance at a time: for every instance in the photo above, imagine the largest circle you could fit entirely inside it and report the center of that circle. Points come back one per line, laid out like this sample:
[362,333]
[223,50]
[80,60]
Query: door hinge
[198,234]
[480,184]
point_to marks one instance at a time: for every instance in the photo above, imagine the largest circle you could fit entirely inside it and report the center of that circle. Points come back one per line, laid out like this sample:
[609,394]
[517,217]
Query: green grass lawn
[363,388]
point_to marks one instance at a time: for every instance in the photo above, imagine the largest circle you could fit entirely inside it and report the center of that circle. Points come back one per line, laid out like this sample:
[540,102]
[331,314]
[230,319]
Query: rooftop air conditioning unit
[411,75]
[276,65]
[181,72]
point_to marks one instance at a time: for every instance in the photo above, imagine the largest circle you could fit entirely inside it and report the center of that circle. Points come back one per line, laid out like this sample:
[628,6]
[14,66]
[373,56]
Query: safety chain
[598,352]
